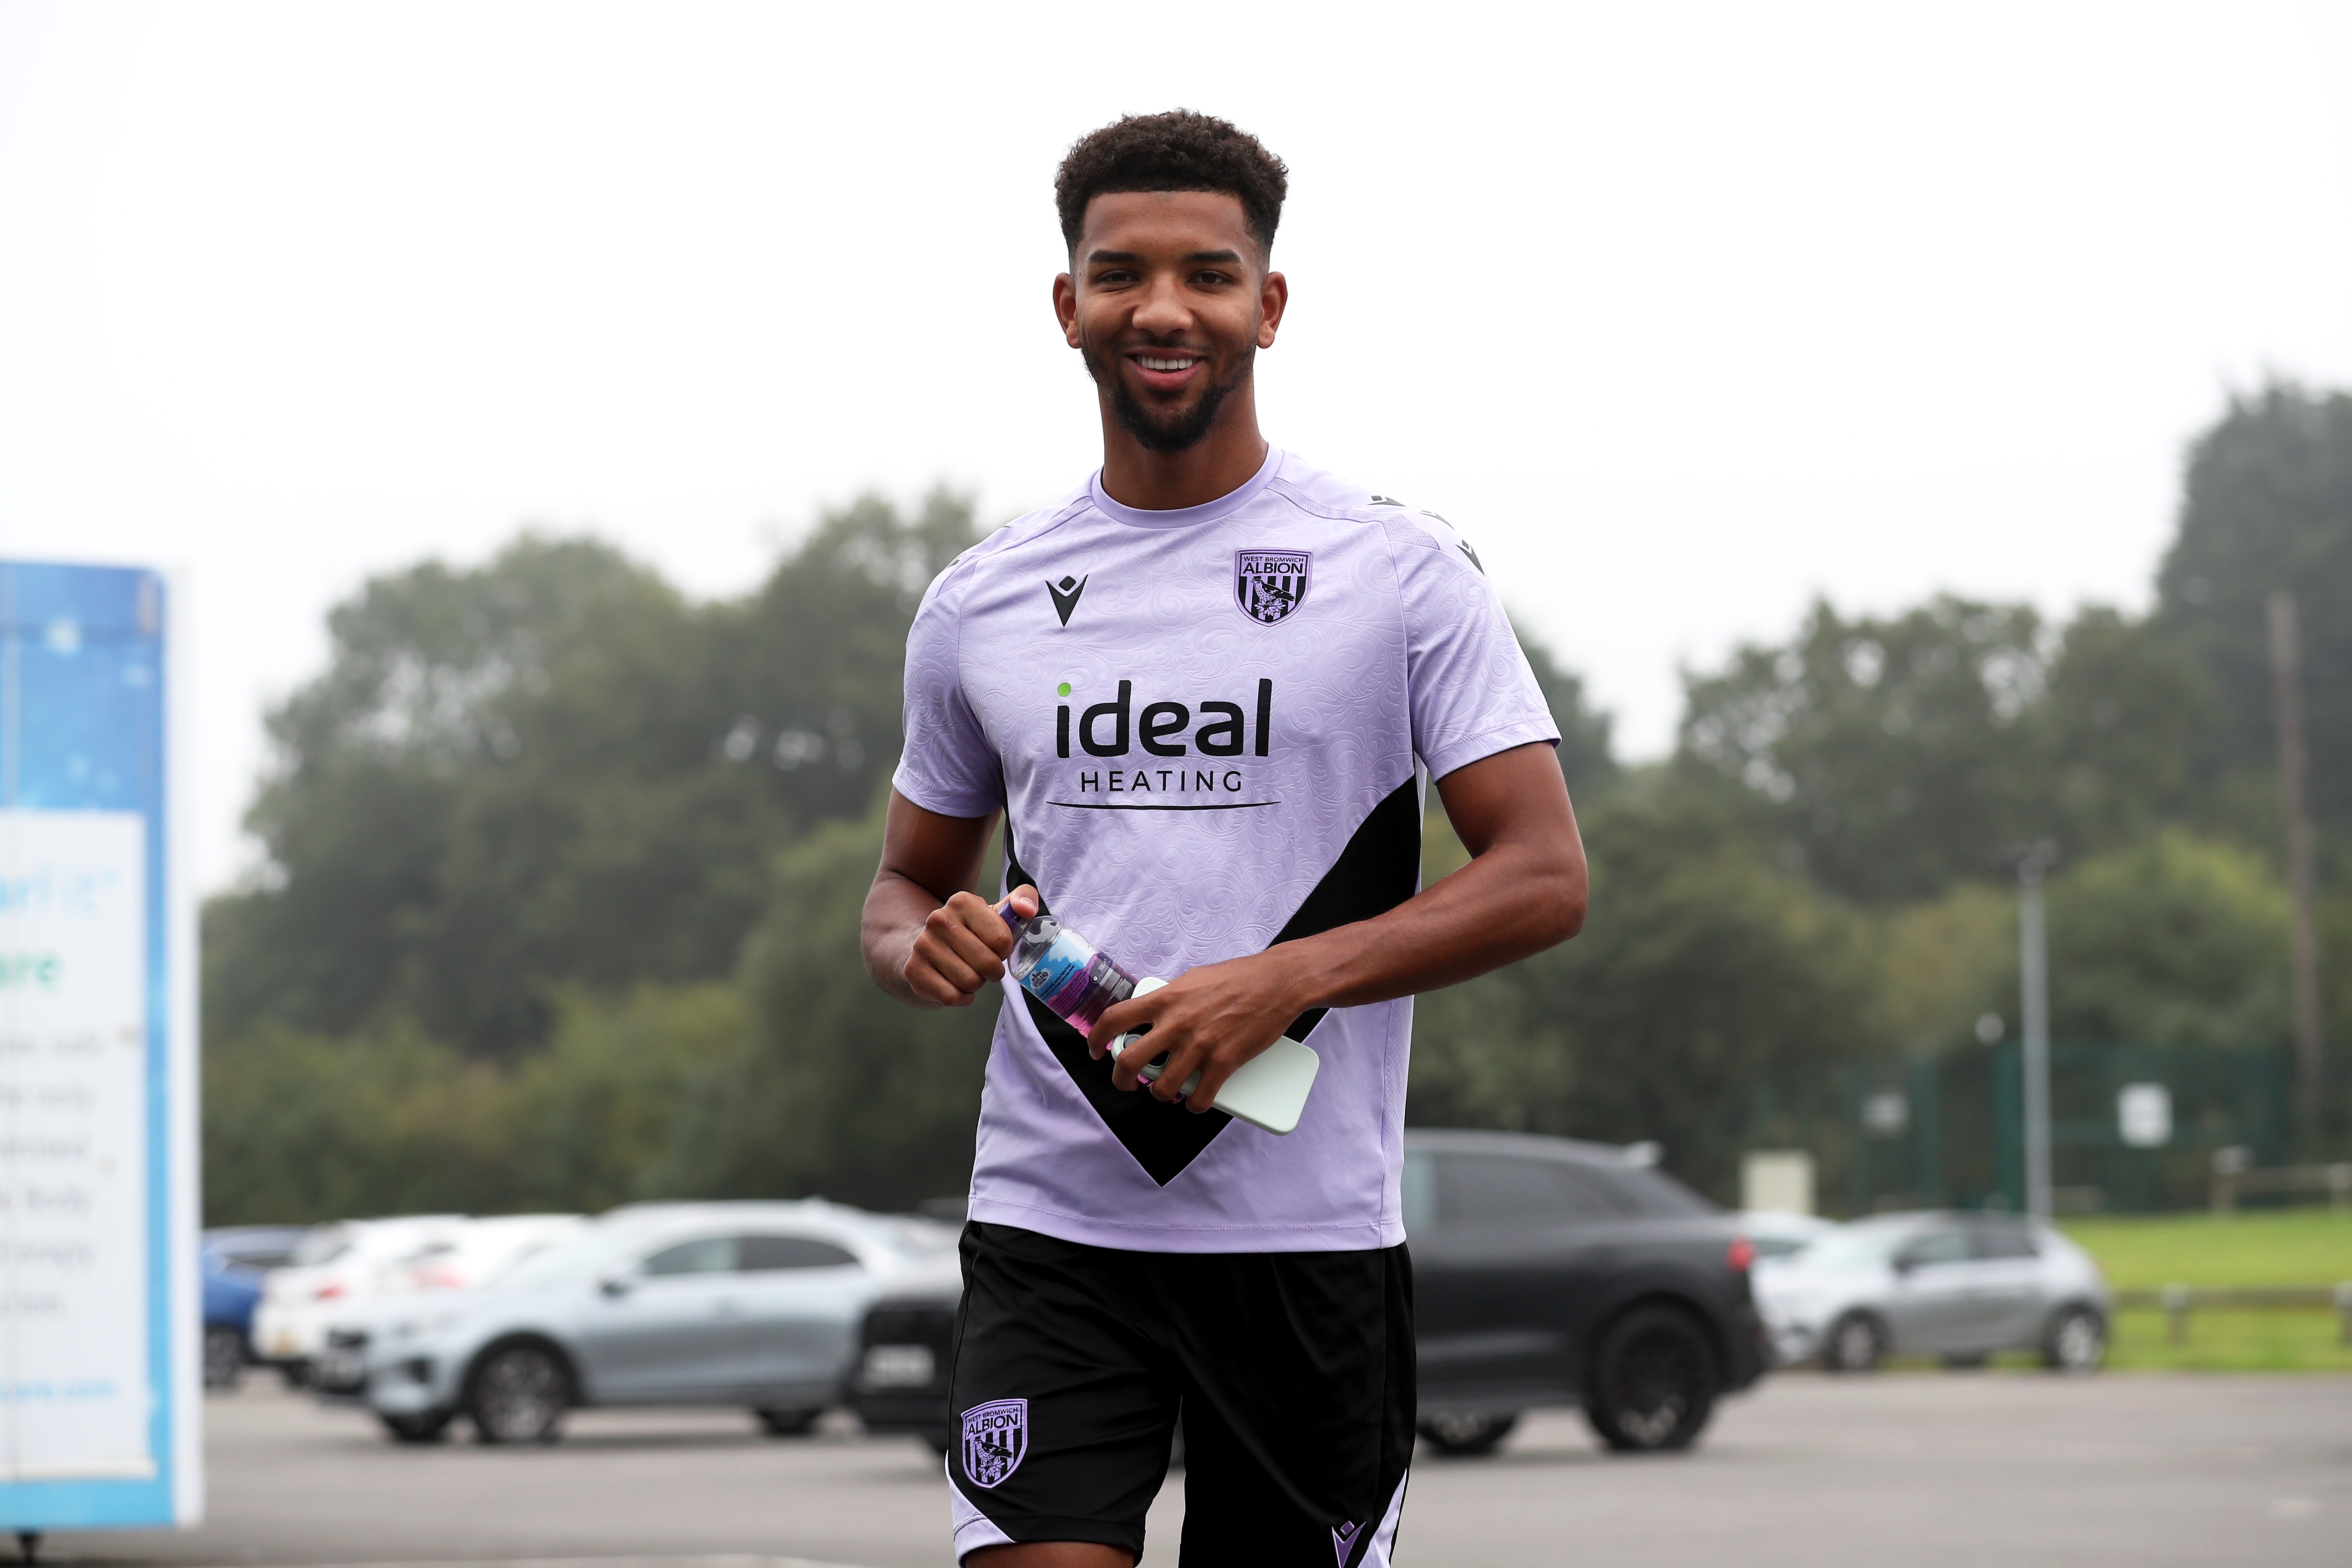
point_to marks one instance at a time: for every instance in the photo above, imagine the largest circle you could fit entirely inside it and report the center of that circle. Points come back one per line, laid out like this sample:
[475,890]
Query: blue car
[234,1261]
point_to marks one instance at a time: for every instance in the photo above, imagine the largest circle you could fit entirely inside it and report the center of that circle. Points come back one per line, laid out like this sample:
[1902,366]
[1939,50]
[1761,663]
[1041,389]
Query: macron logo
[1065,595]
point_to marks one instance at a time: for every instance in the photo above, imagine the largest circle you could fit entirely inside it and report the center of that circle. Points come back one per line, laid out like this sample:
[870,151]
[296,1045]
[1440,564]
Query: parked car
[477,1250]
[751,1304]
[336,1266]
[235,1262]
[1545,1272]
[1960,1286]
[1779,1232]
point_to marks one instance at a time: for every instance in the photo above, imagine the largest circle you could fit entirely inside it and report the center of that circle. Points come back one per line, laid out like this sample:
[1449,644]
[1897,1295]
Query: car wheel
[1855,1343]
[519,1394]
[2077,1341]
[787,1423]
[422,1427]
[1468,1436]
[1654,1382]
[224,1356]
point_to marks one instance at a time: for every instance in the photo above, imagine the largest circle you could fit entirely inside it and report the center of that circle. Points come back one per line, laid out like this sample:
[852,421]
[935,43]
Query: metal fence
[2134,1129]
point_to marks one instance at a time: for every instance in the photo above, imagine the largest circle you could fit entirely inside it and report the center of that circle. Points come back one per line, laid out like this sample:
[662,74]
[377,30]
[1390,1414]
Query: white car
[459,1259]
[1777,1233]
[336,1267]
[750,1304]
[1959,1286]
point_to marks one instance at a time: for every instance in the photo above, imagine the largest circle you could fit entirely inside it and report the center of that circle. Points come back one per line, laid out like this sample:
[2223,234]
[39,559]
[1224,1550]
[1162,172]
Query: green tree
[840,1090]
[1708,977]
[2267,505]
[2177,940]
[555,770]
[1898,755]
[1584,756]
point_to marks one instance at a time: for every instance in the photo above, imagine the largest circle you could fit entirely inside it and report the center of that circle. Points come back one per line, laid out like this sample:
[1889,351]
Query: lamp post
[2034,1009]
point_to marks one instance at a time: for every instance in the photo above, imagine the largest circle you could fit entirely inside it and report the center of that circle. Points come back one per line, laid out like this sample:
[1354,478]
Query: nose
[1162,312]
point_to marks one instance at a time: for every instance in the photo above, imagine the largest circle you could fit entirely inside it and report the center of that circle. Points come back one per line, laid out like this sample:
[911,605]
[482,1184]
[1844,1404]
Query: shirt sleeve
[948,764]
[1471,691]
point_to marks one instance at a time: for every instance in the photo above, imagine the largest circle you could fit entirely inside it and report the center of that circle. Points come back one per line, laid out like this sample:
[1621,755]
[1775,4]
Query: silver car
[751,1304]
[1958,1286]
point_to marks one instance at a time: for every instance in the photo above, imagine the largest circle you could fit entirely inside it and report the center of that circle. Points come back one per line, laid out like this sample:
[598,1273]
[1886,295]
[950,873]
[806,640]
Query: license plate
[899,1366]
[339,1369]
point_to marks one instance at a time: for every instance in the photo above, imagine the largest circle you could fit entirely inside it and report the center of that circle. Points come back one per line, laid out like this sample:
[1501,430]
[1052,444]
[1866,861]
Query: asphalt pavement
[1924,1469]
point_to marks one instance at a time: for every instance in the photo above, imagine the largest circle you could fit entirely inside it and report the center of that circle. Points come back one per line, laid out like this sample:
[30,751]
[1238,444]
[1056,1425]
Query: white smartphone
[1268,1090]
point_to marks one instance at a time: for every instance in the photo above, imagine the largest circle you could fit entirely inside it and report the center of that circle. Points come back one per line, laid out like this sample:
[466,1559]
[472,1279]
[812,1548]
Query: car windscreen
[322,1247]
[581,1257]
[1480,1189]
[1852,1246]
[1656,1195]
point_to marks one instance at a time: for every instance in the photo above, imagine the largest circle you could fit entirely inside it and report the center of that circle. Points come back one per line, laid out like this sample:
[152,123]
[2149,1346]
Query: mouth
[1166,370]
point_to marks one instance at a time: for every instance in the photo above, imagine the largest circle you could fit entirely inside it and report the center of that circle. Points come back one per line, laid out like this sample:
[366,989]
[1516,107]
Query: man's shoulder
[1327,495]
[1022,530]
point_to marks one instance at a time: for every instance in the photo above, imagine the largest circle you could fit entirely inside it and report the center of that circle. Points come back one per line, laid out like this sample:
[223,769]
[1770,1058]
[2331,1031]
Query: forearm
[1514,901]
[896,910]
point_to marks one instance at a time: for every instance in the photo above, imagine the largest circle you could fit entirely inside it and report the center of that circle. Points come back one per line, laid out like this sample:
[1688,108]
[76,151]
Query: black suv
[1545,1272]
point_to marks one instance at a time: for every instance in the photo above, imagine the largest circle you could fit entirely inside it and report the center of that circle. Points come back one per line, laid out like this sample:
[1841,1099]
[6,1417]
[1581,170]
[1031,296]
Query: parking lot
[1927,1469]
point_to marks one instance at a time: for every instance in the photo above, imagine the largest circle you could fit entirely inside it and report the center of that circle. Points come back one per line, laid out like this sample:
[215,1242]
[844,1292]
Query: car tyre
[1653,1382]
[419,1426]
[1855,1342]
[224,1355]
[780,1423]
[519,1393]
[1468,1436]
[2076,1342]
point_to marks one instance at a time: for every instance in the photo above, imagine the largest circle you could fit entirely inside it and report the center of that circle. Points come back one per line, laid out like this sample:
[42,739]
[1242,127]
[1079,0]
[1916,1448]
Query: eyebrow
[1198,257]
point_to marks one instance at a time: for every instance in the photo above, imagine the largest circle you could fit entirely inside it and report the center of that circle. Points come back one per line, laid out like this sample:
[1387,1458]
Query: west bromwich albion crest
[1270,583]
[995,1440]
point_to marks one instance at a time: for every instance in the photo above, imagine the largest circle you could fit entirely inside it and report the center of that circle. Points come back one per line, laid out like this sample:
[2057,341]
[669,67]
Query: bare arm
[1523,890]
[928,939]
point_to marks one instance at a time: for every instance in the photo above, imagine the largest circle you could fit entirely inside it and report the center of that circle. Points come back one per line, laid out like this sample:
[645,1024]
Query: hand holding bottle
[961,948]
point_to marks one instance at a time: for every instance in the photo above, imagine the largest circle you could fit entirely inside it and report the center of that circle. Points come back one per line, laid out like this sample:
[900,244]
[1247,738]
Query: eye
[1211,280]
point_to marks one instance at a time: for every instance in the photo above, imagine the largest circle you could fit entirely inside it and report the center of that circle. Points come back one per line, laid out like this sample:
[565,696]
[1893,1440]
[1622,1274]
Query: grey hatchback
[1958,1286]
[750,1304]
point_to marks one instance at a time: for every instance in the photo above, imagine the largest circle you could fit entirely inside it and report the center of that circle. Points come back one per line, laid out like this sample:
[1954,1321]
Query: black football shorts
[1292,1373]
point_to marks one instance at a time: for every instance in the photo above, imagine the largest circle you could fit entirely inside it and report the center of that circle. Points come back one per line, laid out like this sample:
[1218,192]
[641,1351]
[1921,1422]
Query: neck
[1217,465]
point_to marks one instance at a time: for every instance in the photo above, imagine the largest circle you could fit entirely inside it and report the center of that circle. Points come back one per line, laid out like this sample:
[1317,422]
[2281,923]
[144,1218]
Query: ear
[1273,299]
[1065,308]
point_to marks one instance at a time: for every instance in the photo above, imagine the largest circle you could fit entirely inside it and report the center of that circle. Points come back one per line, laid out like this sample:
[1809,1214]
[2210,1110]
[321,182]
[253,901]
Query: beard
[1156,430]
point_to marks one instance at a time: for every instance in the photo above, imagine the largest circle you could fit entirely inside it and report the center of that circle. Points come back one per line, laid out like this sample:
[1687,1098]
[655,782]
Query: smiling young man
[1206,690]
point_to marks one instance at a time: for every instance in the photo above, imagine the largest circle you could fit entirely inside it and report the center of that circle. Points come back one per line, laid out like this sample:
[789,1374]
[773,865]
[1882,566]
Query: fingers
[977,916]
[952,957]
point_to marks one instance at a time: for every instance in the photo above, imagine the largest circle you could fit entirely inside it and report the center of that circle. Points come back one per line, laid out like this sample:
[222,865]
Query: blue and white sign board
[100,1402]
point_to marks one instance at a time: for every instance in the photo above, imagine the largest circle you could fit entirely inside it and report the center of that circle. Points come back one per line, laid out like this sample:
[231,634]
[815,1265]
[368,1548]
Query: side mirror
[1905,1262]
[617,1287]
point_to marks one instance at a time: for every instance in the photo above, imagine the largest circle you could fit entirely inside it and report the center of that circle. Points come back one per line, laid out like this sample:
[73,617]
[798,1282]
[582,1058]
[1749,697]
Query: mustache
[1160,429]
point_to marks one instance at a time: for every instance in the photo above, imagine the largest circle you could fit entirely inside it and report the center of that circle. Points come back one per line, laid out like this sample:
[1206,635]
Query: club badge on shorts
[995,1440]
[1270,583]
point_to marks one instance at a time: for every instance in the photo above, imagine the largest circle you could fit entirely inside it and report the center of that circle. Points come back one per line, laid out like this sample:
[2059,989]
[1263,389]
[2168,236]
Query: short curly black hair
[1179,151]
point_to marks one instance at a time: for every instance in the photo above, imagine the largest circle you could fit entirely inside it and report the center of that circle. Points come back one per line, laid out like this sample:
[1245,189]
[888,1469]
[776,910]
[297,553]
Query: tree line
[562,868]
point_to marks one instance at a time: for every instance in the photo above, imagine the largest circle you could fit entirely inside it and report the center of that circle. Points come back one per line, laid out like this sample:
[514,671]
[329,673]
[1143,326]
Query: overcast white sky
[1685,314]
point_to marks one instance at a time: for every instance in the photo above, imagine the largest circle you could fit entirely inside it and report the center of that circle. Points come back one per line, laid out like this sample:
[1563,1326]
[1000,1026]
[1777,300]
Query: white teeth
[1151,363]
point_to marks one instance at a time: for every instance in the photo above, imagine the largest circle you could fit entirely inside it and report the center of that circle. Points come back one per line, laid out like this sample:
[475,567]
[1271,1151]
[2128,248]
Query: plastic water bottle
[1076,980]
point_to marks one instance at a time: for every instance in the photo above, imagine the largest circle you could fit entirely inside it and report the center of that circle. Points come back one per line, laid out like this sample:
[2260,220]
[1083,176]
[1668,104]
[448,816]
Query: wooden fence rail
[2179,1300]
[2232,1181]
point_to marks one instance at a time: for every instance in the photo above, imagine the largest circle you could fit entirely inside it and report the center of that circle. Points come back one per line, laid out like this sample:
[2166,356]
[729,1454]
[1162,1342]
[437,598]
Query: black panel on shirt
[1377,871]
